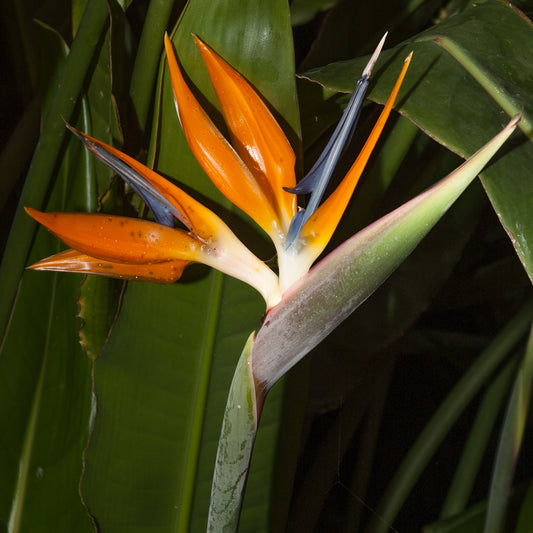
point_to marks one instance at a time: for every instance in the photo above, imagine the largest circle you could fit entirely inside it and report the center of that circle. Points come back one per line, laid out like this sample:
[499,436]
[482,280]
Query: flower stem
[235,447]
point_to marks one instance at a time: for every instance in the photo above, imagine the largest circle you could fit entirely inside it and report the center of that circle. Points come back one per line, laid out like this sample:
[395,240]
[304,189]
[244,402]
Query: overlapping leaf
[162,379]
[442,97]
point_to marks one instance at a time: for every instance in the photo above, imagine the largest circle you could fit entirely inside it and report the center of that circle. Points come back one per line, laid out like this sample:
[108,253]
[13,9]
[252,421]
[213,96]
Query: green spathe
[235,447]
[320,301]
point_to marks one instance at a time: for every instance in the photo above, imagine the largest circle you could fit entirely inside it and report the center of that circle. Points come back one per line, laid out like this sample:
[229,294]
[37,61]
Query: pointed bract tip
[87,140]
[202,47]
[198,41]
[516,119]
[168,45]
[374,58]
[73,130]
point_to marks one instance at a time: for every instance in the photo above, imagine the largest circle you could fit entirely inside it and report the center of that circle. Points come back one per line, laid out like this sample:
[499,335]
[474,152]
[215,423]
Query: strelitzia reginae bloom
[256,172]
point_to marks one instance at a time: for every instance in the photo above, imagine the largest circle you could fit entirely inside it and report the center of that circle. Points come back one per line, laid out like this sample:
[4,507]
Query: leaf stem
[235,446]
[148,55]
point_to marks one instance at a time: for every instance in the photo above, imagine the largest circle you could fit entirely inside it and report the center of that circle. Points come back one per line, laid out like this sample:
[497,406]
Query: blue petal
[163,211]
[329,157]
[317,179]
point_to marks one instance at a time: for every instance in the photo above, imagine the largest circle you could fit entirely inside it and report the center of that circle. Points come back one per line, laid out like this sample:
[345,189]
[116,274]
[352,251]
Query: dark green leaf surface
[162,379]
[45,158]
[99,297]
[525,518]
[46,394]
[445,100]
[46,373]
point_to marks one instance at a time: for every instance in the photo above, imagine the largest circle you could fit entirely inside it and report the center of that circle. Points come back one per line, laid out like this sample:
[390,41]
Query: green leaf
[303,11]
[467,470]
[472,519]
[446,415]
[47,398]
[450,104]
[143,77]
[46,394]
[47,152]
[234,451]
[99,297]
[337,39]
[163,377]
[510,442]
[525,518]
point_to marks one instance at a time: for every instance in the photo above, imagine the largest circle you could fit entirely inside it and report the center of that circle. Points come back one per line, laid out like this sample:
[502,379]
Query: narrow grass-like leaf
[525,518]
[45,157]
[144,73]
[46,393]
[467,470]
[511,436]
[446,415]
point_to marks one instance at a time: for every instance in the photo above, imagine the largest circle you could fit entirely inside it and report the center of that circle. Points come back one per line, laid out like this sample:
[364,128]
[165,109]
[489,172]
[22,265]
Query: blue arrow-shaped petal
[317,179]
[163,211]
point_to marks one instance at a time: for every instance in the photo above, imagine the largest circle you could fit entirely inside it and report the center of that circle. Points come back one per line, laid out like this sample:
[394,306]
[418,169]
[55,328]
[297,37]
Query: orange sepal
[77,262]
[198,218]
[217,157]
[116,238]
[256,134]
[321,225]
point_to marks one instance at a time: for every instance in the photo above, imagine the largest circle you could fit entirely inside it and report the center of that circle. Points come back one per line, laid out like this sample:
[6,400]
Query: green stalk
[467,470]
[510,443]
[148,55]
[43,164]
[445,416]
[235,446]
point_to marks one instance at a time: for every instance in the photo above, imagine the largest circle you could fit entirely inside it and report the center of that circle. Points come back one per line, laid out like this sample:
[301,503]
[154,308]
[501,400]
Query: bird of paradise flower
[256,172]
